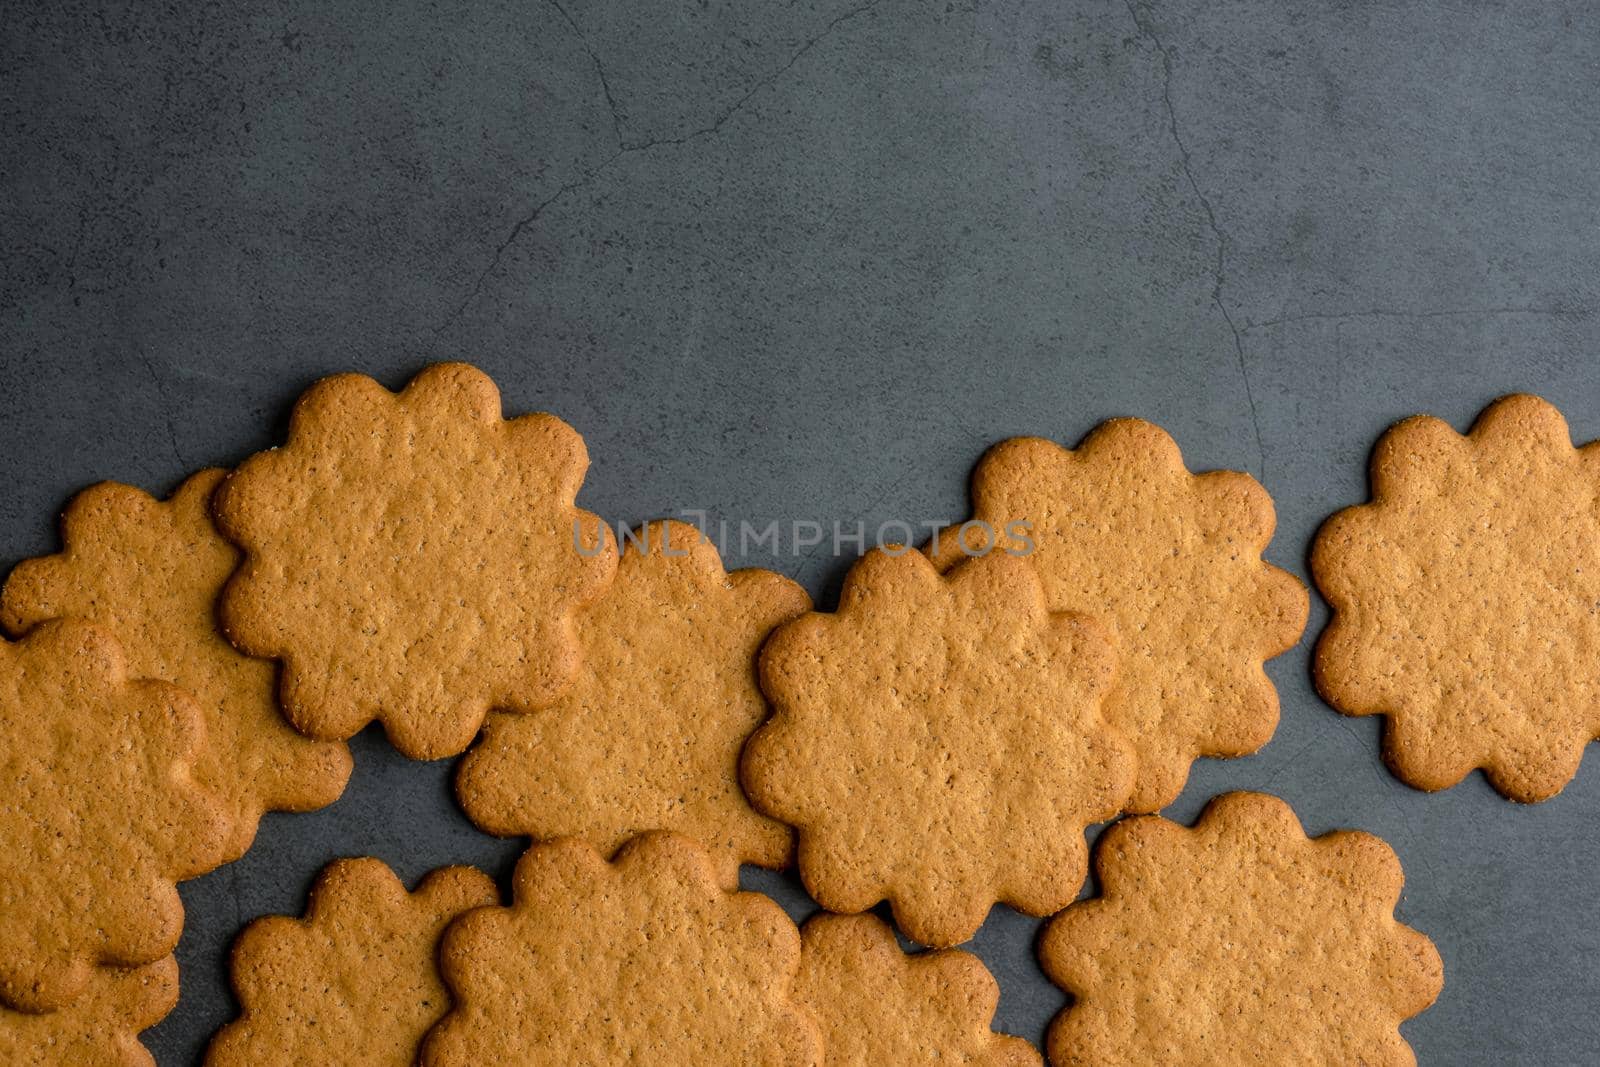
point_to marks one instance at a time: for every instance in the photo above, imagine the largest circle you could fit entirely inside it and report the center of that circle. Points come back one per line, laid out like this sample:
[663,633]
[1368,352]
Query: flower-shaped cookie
[413,558]
[642,960]
[1464,600]
[1238,941]
[649,736]
[101,818]
[100,1028]
[1171,563]
[150,572]
[938,742]
[355,982]
[878,1006]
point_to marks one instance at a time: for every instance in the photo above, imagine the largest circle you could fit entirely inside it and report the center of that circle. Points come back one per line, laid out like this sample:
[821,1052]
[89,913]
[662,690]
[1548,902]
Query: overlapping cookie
[1464,598]
[878,1006]
[1170,562]
[413,558]
[355,982]
[102,816]
[938,742]
[649,736]
[1238,941]
[646,959]
[100,1027]
[149,572]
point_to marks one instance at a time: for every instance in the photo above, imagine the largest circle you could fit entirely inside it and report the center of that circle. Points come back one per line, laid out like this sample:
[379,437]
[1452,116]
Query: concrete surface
[805,261]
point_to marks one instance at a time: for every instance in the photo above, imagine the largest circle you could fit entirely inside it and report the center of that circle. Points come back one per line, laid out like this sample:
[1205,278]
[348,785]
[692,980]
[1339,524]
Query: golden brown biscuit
[938,742]
[1464,600]
[642,960]
[102,817]
[878,1007]
[413,558]
[100,1028]
[649,736]
[150,572]
[1238,941]
[1171,563]
[355,982]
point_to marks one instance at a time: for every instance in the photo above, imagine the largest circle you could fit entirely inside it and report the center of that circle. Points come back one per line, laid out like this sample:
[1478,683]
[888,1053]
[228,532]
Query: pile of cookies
[941,742]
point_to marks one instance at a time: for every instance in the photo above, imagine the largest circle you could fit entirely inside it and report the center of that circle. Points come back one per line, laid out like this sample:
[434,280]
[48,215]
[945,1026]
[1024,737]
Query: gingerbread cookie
[1464,600]
[413,558]
[100,1027]
[1171,563]
[1238,941]
[642,960]
[101,818]
[938,742]
[878,1006]
[355,982]
[649,736]
[150,573]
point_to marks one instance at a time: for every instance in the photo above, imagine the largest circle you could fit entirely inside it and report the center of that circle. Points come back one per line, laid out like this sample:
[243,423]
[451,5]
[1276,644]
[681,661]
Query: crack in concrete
[1401,313]
[1219,269]
[516,231]
[738,105]
[628,148]
[1386,785]
[167,407]
[599,69]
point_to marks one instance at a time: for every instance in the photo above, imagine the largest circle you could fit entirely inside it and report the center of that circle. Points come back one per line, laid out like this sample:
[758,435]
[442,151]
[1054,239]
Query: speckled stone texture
[808,262]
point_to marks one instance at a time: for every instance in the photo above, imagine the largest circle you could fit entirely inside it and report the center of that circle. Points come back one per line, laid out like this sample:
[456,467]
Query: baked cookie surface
[355,982]
[645,959]
[150,572]
[1238,941]
[649,735]
[938,742]
[100,1027]
[877,1006]
[1464,598]
[101,818]
[1171,563]
[413,558]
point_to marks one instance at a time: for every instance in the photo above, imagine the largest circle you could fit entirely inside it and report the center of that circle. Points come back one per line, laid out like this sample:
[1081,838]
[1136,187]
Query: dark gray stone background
[806,261]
